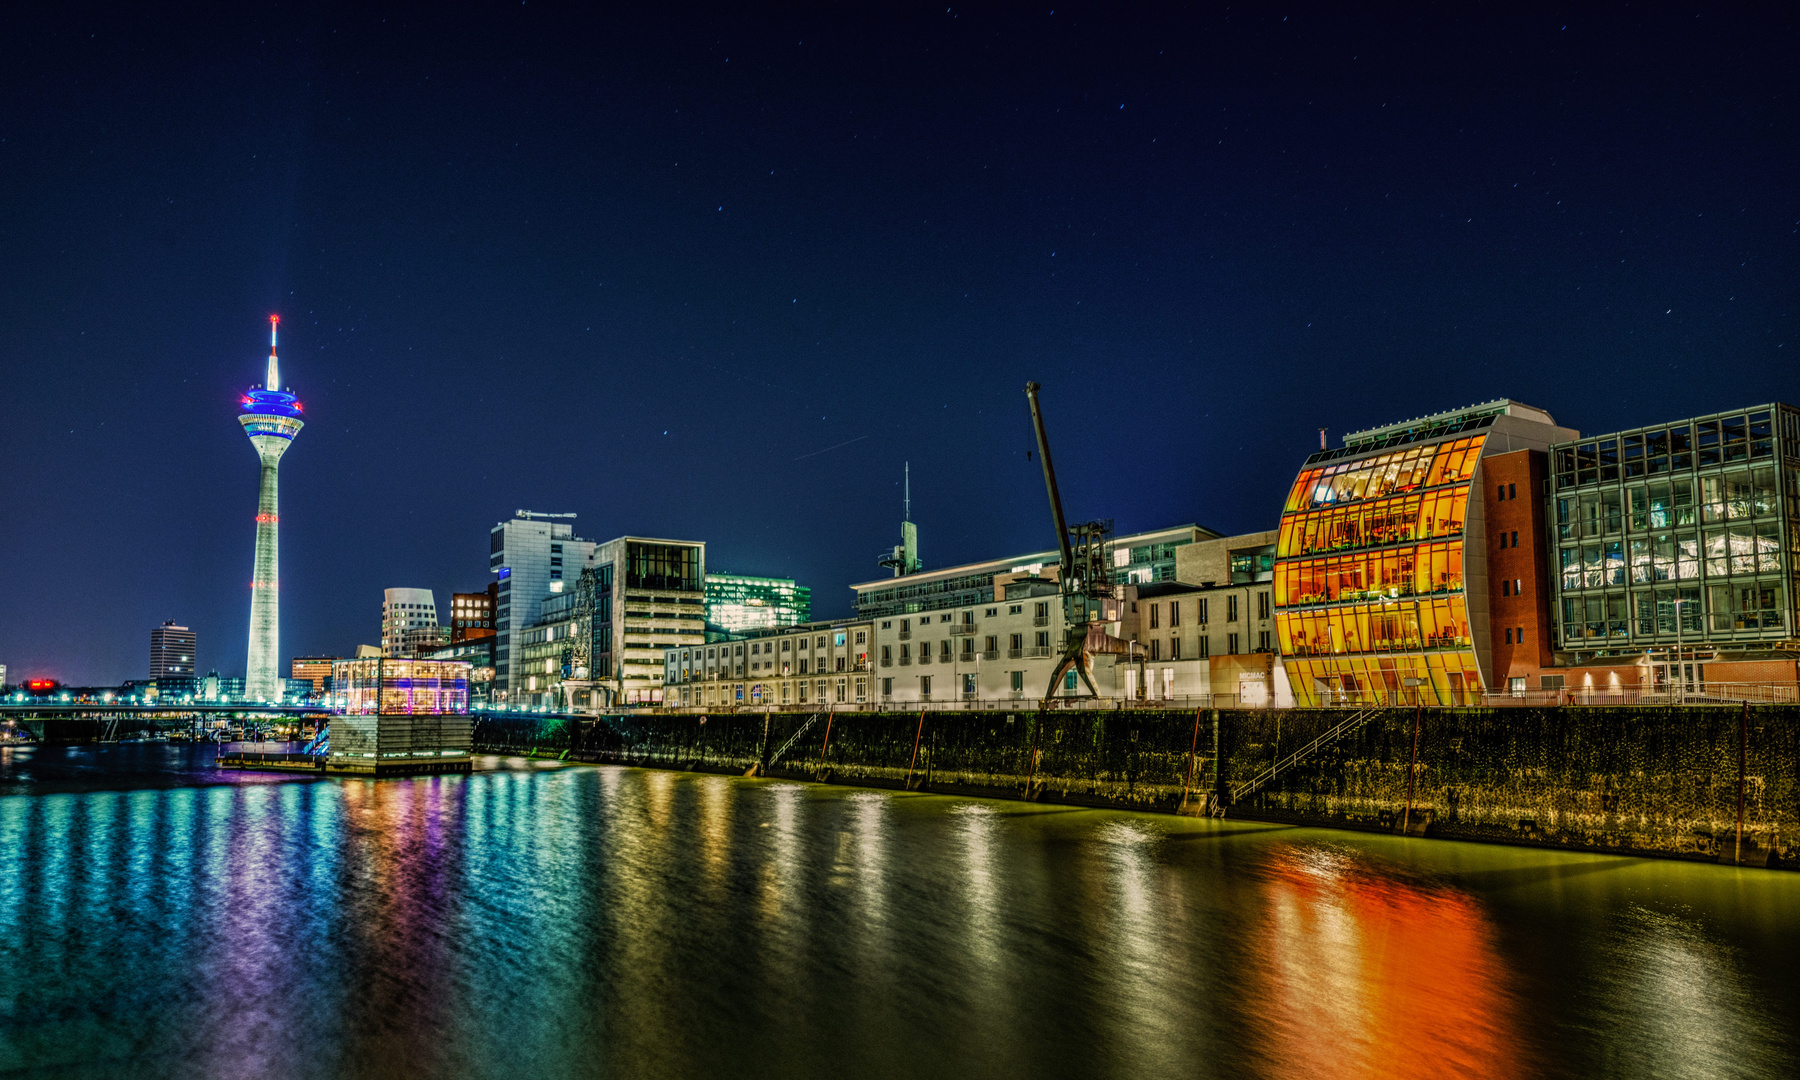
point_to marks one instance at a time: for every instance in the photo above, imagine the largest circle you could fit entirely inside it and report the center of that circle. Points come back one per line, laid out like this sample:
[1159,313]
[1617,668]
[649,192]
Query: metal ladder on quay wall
[792,739]
[1348,725]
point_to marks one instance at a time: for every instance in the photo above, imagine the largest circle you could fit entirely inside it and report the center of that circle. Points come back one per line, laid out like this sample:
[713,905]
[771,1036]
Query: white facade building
[408,621]
[533,557]
[818,664]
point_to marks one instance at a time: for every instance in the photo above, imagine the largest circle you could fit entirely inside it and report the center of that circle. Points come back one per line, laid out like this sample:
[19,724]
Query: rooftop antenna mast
[904,558]
[274,382]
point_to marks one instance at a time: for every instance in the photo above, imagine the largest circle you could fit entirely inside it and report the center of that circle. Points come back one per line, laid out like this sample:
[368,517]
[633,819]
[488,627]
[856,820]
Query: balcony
[1040,620]
[887,661]
[905,635]
[990,654]
[1014,654]
[967,629]
[924,658]
[1037,651]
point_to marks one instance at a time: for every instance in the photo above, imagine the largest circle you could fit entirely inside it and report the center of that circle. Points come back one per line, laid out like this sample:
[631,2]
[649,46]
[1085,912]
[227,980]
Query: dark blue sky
[650,266]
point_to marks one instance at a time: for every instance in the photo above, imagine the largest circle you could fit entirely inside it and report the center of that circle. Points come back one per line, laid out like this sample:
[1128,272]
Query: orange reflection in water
[1358,975]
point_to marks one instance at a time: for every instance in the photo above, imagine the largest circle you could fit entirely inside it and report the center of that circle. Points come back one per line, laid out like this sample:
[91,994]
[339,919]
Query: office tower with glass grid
[1678,534]
[1381,560]
[737,602]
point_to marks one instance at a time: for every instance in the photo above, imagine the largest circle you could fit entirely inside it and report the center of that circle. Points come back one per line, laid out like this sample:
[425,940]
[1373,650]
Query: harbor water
[162,918]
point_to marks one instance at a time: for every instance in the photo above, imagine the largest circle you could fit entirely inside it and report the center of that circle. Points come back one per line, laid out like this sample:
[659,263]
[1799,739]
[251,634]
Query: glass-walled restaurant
[1377,555]
[1682,532]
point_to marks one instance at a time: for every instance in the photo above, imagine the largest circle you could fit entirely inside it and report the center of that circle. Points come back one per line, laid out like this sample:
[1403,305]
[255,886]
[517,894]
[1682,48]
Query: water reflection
[1676,1002]
[577,921]
[1356,974]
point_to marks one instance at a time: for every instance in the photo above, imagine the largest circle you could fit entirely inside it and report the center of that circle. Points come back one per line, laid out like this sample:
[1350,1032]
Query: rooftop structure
[904,559]
[271,418]
[1138,558]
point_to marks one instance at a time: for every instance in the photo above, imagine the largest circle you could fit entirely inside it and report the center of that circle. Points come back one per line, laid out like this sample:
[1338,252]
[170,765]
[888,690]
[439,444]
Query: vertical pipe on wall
[1037,728]
[1187,782]
[915,754]
[1737,855]
[1412,766]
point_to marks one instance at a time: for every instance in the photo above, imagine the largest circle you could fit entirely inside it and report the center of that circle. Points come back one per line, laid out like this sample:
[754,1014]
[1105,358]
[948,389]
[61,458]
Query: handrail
[792,739]
[1343,727]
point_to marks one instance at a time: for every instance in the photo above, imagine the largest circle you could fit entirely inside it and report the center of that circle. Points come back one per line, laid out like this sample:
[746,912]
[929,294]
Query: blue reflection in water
[536,919]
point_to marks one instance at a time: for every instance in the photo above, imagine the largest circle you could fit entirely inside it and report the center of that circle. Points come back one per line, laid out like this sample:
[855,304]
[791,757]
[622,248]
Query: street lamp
[1679,672]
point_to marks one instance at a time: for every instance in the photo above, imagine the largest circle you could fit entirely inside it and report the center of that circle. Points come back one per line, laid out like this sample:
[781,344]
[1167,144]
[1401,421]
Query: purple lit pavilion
[271,418]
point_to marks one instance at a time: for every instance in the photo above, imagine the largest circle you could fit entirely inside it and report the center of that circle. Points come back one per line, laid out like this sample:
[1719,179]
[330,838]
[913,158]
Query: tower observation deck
[271,417]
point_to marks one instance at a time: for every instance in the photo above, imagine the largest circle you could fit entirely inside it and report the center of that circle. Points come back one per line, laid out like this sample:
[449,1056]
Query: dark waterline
[160,918]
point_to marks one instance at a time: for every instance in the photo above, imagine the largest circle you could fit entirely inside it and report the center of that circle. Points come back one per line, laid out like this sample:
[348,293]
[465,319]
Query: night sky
[718,276]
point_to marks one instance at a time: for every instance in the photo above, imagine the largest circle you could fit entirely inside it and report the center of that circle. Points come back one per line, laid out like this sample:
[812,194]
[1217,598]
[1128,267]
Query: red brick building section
[1519,569]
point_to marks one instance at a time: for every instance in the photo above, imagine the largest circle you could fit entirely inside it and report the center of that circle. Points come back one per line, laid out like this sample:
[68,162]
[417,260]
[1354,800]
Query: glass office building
[736,602]
[1380,560]
[1681,533]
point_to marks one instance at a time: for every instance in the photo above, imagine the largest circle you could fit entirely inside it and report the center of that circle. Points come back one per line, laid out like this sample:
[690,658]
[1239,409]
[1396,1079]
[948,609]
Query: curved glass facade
[1370,576]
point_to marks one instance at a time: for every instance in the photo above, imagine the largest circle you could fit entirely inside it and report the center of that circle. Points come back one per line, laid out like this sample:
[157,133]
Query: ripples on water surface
[158,918]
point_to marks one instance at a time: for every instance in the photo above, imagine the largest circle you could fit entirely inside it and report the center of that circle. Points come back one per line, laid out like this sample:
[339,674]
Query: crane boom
[1056,509]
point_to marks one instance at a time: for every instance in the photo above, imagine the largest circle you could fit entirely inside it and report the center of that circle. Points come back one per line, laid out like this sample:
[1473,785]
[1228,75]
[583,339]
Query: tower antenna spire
[906,504]
[274,366]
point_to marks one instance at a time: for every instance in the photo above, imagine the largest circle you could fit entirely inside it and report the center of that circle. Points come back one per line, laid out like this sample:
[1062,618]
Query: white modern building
[409,622]
[819,664]
[533,556]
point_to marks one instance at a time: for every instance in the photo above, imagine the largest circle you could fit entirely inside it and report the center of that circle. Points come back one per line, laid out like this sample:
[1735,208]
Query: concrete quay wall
[1659,780]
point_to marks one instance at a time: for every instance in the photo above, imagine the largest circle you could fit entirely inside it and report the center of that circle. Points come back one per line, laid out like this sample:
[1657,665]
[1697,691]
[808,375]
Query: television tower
[271,418]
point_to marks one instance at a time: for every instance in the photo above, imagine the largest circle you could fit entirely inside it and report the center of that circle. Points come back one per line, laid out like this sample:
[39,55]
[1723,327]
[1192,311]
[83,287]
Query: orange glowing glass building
[1381,591]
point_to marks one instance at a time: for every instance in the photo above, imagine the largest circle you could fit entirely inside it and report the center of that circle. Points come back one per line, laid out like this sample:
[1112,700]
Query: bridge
[90,721]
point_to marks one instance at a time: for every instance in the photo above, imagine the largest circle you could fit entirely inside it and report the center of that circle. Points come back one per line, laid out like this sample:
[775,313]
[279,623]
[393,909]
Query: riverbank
[1697,783]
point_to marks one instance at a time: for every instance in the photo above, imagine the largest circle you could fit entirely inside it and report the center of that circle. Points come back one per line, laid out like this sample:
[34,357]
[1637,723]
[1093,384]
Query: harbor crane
[1084,580]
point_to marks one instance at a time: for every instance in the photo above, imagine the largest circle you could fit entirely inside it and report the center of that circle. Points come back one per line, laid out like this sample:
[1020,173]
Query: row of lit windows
[1372,575]
[1420,516]
[1405,627]
[1372,478]
[1447,678]
[1729,496]
[1653,613]
[804,692]
[1741,549]
[1682,446]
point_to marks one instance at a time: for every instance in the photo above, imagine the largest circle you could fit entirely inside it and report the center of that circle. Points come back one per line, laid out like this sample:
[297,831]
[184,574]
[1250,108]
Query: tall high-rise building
[532,556]
[171,651]
[271,418]
[735,602]
[409,623]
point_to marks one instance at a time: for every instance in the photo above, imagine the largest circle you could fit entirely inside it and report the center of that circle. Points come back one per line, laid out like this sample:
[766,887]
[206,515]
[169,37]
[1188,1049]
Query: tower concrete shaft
[262,677]
[271,418]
